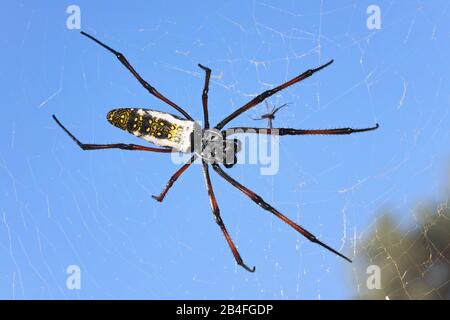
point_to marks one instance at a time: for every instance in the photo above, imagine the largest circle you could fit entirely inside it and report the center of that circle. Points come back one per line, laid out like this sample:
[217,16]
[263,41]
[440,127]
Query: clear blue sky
[60,206]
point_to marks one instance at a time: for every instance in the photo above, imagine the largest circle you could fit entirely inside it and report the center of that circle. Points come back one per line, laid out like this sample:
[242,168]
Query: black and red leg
[216,212]
[205,95]
[291,131]
[123,146]
[261,97]
[144,83]
[263,204]
[174,178]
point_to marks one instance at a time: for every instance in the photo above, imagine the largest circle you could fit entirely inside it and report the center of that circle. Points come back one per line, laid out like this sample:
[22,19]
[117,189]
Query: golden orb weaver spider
[175,134]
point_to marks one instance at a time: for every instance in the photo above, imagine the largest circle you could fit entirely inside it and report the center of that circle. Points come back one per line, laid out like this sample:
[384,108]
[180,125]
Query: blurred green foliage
[413,262]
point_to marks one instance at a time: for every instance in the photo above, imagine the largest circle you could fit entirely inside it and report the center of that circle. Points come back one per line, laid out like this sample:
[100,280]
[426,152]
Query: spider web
[60,206]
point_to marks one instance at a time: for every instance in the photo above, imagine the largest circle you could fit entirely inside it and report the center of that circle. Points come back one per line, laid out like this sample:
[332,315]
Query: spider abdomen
[160,128]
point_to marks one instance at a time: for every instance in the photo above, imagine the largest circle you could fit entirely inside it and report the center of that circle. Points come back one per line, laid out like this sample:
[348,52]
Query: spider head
[212,147]
[119,117]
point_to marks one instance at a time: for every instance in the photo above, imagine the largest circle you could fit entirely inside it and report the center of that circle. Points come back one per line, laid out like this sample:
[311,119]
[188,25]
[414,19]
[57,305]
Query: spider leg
[216,212]
[174,178]
[261,97]
[205,95]
[263,204]
[278,108]
[267,106]
[144,83]
[290,131]
[260,118]
[122,146]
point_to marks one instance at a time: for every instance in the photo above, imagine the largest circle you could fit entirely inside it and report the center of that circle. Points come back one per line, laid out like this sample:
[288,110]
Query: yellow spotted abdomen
[160,128]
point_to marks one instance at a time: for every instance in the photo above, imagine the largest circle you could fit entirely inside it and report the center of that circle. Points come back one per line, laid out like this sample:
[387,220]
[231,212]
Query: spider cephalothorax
[211,145]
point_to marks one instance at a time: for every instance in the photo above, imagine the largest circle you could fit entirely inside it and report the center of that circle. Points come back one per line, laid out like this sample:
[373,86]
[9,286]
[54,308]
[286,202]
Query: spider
[210,144]
[270,115]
